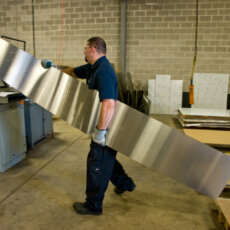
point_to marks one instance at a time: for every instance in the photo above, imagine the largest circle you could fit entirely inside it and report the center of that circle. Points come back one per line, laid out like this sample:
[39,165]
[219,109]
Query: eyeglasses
[86,47]
[89,47]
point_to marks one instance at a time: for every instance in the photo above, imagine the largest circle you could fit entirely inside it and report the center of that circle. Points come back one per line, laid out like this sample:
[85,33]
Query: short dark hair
[98,43]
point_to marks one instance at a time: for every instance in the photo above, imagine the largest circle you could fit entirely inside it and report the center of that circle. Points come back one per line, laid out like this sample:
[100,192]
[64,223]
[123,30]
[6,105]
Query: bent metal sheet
[131,132]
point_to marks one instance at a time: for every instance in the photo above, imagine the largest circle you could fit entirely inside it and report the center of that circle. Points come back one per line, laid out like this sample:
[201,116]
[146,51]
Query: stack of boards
[205,118]
[211,125]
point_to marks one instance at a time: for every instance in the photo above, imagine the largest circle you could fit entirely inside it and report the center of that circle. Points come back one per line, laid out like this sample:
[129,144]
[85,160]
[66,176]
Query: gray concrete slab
[38,193]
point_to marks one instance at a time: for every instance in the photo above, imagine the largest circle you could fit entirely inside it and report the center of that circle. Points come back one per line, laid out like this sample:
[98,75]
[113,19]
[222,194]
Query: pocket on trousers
[96,156]
[96,146]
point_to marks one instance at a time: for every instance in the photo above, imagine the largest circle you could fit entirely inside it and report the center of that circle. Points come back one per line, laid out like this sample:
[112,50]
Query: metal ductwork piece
[131,132]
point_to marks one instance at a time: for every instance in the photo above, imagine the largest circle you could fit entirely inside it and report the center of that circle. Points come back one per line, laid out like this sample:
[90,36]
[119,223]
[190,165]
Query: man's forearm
[106,113]
[68,70]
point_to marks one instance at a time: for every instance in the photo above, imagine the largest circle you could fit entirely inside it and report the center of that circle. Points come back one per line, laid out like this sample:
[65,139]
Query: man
[102,165]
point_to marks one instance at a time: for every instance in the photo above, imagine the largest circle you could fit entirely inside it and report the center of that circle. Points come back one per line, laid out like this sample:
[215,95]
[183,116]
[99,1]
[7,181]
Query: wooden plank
[223,206]
[218,138]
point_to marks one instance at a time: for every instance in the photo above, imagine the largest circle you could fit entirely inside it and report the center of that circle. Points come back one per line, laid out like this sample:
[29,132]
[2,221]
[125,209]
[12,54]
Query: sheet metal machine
[147,140]
[12,128]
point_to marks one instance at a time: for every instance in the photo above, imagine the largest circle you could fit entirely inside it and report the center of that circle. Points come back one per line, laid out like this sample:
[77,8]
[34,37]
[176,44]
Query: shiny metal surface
[132,133]
[57,92]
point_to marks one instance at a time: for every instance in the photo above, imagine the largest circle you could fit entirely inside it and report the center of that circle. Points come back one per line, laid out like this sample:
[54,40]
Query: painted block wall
[160,33]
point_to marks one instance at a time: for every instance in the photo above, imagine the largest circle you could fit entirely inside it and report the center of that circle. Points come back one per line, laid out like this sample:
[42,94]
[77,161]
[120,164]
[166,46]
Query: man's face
[87,52]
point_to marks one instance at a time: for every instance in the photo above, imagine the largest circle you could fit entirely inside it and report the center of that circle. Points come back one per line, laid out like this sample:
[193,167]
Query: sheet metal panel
[132,133]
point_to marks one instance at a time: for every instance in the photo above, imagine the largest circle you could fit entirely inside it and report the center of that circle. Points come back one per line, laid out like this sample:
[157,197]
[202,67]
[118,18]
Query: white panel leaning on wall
[165,95]
[210,90]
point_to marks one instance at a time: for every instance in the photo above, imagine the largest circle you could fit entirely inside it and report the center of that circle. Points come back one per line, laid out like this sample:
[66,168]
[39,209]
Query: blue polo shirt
[100,76]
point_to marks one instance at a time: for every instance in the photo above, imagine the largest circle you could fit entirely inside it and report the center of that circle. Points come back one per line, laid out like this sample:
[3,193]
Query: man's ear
[93,49]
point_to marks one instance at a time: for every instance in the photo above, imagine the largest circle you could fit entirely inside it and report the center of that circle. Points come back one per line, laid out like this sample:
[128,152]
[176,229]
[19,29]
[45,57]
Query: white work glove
[47,64]
[99,136]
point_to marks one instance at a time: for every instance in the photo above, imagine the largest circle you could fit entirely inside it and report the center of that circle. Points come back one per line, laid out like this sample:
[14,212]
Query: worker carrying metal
[102,165]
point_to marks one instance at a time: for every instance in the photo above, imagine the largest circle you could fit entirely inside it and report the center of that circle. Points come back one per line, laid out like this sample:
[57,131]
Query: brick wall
[82,19]
[161,38]
[160,33]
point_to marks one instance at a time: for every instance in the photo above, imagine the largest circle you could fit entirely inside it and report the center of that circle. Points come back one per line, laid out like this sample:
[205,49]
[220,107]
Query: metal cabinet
[38,121]
[12,134]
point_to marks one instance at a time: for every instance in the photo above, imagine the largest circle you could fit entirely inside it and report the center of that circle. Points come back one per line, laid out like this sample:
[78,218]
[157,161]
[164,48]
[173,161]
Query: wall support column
[123,38]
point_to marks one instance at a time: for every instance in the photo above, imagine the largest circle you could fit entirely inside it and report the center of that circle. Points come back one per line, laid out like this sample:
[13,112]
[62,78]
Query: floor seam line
[47,163]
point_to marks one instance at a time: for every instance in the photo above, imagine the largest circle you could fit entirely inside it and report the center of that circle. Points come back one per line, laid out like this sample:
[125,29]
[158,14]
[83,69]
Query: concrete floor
[38,193]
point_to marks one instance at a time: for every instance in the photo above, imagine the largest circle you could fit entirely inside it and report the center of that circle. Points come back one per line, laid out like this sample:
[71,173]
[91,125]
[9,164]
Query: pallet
[215,138]
[223,207]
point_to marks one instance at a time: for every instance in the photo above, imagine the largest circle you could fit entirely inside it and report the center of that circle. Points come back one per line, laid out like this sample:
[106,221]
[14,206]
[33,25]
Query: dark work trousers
[102,166]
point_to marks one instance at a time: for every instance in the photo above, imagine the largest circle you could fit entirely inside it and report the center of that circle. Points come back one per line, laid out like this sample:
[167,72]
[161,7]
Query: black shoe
[82,209]
[120,191]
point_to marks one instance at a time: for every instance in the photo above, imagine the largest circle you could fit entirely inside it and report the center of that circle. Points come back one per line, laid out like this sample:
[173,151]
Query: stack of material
[205,118]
